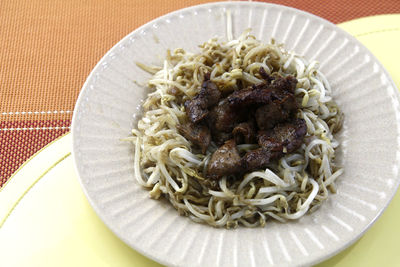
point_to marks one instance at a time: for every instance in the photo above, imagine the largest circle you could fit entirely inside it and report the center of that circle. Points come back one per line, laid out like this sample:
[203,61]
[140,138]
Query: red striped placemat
[50,47]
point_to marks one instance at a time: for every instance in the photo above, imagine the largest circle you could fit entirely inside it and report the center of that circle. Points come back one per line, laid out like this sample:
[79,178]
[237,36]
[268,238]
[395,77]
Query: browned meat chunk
[268,141]
[257,159]
[211,92]
[291,134]
[269,115]
[286,136]
[229,111]
[256,94]
[279,110]
[264,113]
[273,144]
[223,117]
[197,133]
[244,132]
[222,120]
[287,84]
[220,137]
[224,161]
[197,108]
[289,104]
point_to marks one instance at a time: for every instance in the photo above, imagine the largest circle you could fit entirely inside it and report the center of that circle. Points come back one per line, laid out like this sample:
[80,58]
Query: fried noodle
[167,164]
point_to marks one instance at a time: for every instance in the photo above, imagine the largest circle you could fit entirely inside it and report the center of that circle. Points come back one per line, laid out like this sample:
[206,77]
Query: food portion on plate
[238,133]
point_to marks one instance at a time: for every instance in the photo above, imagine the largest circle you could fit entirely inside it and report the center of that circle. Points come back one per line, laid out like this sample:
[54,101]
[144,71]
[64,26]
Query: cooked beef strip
[227,113]
[223,117]
[220,137]
[257,159]
[289,135]
[224,161]
[231,110]
[280,109]
[197,108]
[262,113]
[288,103]
[268,141]
[220,122]
[211,92]
[199,134]
[269,115]
[284,84]
[284,138]
[244,132]
[253,95]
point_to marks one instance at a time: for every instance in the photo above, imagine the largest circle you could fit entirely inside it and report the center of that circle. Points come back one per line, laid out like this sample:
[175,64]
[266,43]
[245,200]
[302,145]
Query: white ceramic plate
[105,113]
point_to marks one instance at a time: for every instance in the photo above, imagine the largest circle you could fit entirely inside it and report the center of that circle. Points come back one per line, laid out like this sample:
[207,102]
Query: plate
[109,105]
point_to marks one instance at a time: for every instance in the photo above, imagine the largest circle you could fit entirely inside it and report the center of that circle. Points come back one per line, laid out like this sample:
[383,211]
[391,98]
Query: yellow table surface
[45,219]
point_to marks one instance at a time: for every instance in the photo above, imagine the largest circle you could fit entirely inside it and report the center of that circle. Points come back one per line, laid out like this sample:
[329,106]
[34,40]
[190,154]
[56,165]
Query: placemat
[45,219]
[50,47]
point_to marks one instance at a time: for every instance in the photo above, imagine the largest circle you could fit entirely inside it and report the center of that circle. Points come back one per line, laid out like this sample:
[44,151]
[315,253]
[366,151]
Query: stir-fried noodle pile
[167,163]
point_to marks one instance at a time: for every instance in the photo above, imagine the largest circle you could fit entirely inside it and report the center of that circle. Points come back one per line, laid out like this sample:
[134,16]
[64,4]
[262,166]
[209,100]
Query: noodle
[167,164]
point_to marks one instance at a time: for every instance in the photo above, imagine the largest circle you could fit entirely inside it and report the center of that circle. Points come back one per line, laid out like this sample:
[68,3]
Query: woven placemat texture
[50,47]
